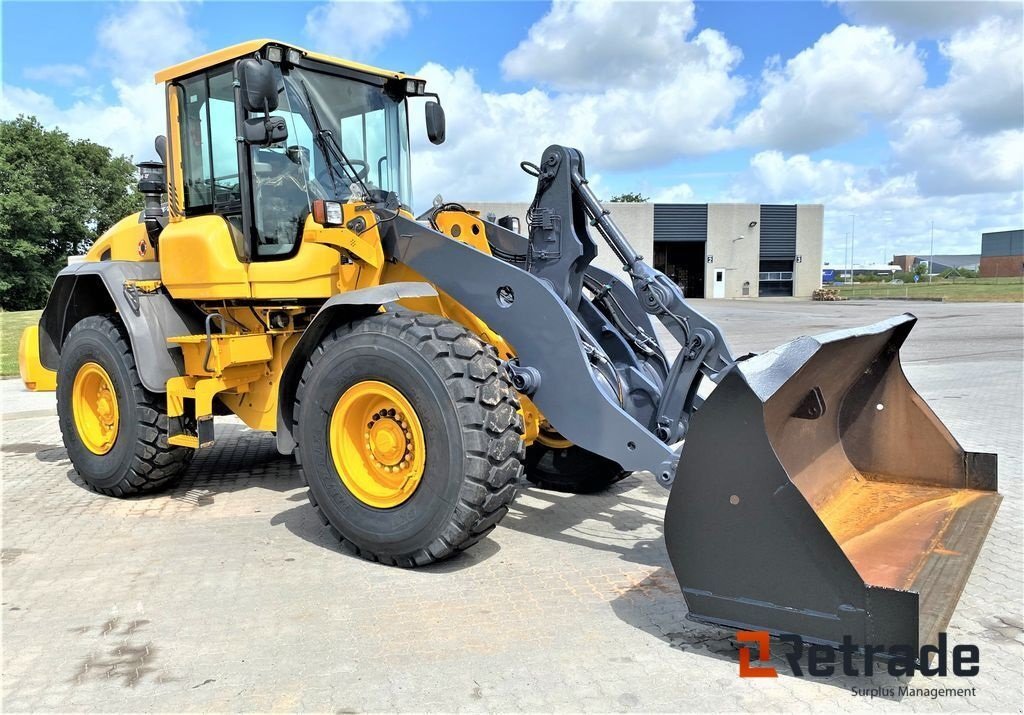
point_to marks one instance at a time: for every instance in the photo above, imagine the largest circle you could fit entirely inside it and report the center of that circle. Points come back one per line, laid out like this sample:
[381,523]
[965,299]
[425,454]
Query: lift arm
[563,200]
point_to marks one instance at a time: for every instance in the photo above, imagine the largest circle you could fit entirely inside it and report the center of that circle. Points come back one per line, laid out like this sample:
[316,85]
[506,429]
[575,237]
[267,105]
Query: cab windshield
[369,127]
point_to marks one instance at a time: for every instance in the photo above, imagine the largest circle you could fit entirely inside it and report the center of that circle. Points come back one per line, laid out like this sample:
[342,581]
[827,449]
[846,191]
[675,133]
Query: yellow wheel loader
[419,367]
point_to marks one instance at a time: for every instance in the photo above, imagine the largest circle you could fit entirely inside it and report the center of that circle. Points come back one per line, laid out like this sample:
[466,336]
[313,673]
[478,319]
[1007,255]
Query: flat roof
[249,47]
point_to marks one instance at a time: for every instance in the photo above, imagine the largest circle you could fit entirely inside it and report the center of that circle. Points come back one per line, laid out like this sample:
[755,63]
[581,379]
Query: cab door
[203,252]
[284,185]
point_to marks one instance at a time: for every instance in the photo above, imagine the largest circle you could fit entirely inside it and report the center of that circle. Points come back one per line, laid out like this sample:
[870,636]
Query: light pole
[931,253]
[846,255]
[853,239]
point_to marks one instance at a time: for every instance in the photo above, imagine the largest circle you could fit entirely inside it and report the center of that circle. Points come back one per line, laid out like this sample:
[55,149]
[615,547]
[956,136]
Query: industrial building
[1002,254]
[715,250]
[939,263]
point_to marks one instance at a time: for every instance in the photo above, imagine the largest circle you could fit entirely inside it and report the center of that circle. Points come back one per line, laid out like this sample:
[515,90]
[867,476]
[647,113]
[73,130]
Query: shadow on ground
[655,605]
[244,459]
[624,524]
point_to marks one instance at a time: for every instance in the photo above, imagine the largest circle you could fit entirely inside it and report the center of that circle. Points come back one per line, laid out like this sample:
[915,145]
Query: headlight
[328,213]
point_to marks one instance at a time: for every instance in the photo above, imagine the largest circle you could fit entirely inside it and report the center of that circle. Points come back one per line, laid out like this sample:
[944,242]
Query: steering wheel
[361,167]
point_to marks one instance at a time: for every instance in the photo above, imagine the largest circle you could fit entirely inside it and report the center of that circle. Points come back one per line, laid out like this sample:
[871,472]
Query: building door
[683,262]
[775,279]
[719,289]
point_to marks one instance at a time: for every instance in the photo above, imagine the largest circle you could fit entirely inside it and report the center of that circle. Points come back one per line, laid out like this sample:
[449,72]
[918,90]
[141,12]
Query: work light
[328,213]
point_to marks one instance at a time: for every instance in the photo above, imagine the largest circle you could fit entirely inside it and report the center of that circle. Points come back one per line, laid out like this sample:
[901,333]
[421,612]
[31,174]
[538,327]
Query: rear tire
[571,469]
[139,460]
[468,418]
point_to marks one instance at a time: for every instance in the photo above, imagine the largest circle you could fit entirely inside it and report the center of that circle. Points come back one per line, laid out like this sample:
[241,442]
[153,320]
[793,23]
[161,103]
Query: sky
[896,116]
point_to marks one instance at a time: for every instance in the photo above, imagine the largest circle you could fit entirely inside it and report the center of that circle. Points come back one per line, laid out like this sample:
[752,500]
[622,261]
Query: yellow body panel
[198,260]
[311,273]
[249,47]
[175,174]
[364,245]
[36,377]
[222,351]
[126,240]
[257,407]
[463,227]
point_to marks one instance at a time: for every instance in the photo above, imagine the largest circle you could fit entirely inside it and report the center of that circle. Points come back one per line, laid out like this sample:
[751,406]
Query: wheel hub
[389,440]
[94,406]
[377,444]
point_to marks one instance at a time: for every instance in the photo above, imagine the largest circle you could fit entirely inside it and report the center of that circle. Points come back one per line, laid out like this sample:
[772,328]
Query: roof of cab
[249,47]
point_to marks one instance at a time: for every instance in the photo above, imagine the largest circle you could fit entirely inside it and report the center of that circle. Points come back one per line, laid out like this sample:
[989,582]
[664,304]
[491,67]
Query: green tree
[57,195]
[629,198]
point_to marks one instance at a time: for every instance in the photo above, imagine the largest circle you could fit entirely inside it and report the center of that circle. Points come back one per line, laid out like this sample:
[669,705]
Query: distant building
[904,263]
[841,274]
[943,263]
[1002,254]
[714,250]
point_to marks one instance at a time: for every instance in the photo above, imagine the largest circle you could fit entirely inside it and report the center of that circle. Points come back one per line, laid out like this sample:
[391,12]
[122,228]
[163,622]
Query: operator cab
[260,131]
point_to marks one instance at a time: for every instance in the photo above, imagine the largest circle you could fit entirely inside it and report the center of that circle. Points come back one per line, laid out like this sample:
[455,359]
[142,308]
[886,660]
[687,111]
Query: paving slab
[227,594]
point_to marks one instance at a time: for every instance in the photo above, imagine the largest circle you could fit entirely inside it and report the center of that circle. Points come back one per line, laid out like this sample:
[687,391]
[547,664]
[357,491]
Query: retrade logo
[764,653]
[817,660]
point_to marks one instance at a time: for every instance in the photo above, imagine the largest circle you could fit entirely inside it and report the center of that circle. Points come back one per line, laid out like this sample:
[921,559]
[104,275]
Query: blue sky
[876,110]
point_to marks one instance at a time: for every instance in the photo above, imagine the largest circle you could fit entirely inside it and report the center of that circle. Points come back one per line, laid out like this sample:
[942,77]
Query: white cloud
[926,18]
[128,125]
[64,75]
[593,43]
[669,97]
[827,93]
[160,35]
[967,135]
[986,77]
[146,36]
[354,29]
[677,194]
[777,178]
[948,161]
[489,133]
[887,212]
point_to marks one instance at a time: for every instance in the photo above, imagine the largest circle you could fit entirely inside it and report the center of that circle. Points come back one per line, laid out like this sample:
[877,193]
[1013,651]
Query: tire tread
[492,477]
[156,465]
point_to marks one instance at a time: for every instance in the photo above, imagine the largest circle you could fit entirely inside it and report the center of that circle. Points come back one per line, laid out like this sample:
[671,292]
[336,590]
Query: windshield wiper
[329,146]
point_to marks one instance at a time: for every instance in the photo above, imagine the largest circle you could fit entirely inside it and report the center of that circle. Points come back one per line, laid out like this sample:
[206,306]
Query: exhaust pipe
[818,494]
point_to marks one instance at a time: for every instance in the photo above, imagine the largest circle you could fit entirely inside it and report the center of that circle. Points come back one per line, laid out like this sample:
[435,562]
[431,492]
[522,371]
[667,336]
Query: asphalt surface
[227,594]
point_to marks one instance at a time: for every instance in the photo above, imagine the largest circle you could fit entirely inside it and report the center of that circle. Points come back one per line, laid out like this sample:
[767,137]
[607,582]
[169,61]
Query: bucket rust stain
[888,530]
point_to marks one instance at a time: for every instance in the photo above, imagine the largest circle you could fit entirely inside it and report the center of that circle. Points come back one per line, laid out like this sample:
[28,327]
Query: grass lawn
[11,325]
[1004,290]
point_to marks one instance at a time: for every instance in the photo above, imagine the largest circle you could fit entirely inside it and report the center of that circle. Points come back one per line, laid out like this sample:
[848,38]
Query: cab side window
[208,147]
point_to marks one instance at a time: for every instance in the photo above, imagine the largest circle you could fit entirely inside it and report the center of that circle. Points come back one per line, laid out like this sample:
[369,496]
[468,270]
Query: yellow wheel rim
[94,404]
[377,444]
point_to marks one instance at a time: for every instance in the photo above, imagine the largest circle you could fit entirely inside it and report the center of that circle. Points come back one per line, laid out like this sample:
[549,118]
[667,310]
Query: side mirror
[435,122]
[264,131]
[257,84]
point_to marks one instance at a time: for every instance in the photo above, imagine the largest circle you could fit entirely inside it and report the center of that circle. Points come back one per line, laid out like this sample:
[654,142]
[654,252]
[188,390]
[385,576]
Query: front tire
[114,429]
[409,437]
